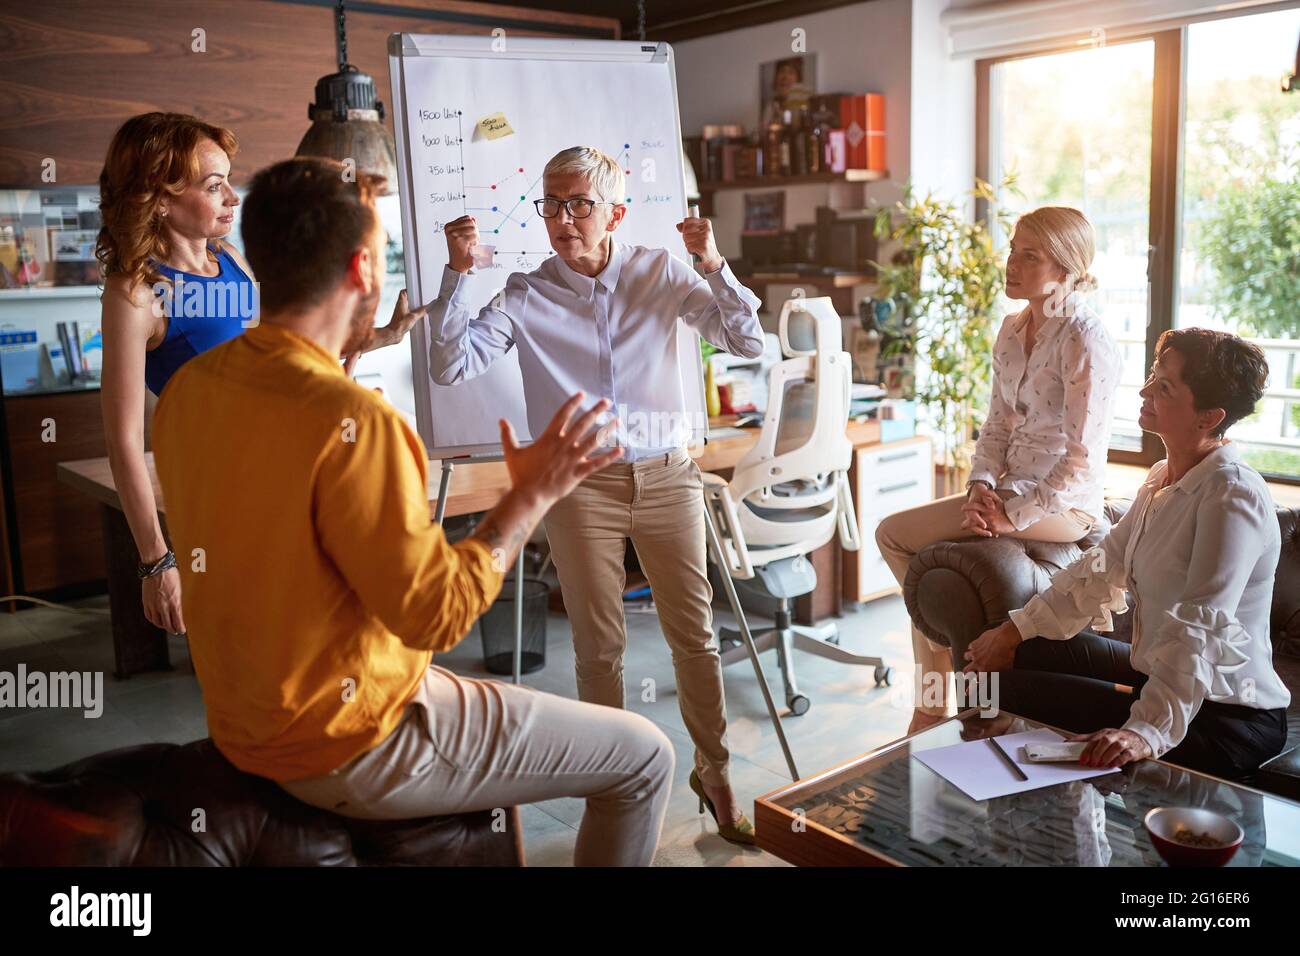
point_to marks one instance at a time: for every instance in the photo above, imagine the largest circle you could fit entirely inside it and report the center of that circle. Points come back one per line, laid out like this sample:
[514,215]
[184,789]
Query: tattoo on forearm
[499,539]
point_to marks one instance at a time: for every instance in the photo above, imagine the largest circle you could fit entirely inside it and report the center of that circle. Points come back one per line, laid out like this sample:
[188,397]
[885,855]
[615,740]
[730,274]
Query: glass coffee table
[886,809]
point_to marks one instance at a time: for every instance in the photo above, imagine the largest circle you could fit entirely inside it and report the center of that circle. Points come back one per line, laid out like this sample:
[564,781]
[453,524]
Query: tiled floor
[849,715]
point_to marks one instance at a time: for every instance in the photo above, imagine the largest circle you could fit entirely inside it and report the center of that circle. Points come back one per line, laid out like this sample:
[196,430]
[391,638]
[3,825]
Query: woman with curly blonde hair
[172,289]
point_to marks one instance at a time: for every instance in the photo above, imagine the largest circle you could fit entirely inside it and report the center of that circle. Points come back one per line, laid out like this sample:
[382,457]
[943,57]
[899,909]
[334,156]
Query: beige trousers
[906,532]
[659,504]
[466,745]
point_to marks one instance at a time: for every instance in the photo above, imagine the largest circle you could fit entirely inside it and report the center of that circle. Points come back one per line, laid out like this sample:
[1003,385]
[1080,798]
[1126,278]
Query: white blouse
[1199,558]
[1048,426]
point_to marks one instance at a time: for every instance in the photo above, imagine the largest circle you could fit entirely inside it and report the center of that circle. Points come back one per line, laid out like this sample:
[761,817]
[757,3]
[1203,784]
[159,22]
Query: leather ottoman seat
[187,805]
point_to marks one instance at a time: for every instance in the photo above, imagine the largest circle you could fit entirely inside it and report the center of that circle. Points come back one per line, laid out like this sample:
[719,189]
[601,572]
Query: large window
[1075,130]
[1241,213]
[1185,154]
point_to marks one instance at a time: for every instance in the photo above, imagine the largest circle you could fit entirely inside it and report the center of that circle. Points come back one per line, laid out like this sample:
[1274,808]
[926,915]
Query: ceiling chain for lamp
[640,20]
[347,118]
[341,37]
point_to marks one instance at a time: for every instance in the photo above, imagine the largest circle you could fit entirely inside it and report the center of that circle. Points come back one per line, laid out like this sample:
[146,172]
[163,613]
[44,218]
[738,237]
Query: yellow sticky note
[495,126]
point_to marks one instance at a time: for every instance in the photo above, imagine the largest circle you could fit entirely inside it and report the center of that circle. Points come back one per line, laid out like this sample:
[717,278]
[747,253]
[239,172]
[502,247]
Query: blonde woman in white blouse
[1197,551]
[1037,468]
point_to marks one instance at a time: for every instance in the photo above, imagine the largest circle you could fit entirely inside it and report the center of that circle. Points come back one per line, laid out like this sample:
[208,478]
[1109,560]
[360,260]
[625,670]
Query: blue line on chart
[496,209]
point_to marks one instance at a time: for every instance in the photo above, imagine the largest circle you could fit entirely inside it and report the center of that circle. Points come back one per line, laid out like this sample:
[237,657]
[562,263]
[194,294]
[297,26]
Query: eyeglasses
[578,208]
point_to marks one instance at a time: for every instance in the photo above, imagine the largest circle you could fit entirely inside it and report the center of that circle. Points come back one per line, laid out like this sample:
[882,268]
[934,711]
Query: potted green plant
[947,274]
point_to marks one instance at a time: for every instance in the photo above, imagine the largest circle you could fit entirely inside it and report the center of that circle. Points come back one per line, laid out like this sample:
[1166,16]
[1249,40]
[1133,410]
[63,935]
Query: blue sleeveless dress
[203,312]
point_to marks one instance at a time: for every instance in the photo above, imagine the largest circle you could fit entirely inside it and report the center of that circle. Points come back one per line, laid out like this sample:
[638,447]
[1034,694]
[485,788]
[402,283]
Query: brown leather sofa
[956,590]
[187,805]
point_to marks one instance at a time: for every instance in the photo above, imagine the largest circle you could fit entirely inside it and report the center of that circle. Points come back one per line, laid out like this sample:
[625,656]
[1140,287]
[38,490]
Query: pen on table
[1015,767]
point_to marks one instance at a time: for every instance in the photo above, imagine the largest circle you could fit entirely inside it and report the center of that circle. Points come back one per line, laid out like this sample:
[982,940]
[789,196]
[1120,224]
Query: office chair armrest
[850,535]
[726,520]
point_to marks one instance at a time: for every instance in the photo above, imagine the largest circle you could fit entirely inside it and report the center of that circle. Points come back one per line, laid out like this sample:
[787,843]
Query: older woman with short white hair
[601,317]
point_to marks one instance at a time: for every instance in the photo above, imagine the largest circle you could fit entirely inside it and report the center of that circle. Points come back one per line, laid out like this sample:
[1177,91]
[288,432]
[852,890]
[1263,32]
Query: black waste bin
[497,627]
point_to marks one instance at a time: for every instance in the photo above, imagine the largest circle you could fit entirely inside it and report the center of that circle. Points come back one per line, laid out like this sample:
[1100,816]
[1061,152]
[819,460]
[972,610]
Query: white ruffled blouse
[1199,558]
[1049,418]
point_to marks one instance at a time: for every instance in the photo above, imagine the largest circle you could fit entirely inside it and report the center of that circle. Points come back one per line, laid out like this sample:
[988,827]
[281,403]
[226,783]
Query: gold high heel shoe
[742,831]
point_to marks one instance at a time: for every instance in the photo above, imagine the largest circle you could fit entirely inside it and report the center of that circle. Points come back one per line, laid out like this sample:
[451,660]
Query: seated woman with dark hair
[1197,550]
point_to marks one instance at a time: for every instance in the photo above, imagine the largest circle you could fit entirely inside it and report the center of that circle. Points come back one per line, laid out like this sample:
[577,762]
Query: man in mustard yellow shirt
[315,586]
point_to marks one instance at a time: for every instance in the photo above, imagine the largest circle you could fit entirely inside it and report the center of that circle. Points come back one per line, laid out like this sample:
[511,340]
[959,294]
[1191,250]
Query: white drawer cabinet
[885,478]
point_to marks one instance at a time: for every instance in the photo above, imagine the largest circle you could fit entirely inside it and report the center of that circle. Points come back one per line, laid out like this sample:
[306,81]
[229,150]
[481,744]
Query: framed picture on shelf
[785,84]
[72,257]
[764,213]
[72,245]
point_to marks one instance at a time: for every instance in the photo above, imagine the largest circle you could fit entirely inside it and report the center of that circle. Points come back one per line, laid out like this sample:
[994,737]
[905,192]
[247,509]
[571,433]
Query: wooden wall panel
[60,541]
[73,70]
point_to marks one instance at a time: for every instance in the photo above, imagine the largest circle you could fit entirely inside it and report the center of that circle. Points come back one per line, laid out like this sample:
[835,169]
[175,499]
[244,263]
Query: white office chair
[790,494]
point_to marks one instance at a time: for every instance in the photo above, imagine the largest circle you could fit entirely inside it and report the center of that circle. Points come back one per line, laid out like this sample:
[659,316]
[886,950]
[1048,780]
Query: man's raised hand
[557,460]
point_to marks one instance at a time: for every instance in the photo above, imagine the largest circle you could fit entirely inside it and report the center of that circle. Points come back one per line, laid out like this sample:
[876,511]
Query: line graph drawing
[500,198]
[497,184]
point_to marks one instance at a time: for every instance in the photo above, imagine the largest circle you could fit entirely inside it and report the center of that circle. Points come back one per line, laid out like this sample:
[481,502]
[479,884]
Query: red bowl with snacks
[1187,836]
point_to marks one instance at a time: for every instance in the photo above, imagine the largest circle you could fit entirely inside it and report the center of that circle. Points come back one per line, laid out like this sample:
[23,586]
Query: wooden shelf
[844,280]
[51,292]
[778,182]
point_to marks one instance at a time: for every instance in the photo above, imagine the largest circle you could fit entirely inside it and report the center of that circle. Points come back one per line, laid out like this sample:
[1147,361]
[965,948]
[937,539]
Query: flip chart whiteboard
[476,120]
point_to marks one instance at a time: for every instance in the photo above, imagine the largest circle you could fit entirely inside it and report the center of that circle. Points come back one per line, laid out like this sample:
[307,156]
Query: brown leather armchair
[139,807]
[956,590]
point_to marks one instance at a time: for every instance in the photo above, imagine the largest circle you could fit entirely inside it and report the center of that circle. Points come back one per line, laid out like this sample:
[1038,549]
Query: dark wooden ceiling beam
[729,16]
[674,20]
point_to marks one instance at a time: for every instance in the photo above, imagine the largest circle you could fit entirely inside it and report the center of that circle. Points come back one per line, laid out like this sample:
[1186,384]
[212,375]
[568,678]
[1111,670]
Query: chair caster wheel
[798,704]
[884,676]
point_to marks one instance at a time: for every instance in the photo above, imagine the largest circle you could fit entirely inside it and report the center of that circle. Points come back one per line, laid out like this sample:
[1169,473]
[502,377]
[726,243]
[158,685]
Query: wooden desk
[479,486]
[139,646]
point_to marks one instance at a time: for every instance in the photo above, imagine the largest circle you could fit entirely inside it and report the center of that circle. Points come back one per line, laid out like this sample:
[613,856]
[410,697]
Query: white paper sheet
[975,769]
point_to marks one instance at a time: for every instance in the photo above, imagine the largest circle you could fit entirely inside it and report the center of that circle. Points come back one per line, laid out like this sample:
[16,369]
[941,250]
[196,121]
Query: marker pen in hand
[693,211]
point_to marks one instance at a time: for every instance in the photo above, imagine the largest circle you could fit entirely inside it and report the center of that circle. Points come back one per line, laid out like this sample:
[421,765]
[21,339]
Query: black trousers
[1071,685]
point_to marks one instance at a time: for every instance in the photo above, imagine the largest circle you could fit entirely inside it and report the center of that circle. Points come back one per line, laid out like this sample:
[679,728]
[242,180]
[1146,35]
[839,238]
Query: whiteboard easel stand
[715,545]
[443,483]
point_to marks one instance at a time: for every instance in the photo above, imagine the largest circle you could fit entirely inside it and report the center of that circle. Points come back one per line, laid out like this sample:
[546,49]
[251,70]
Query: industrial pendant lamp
[347,119]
